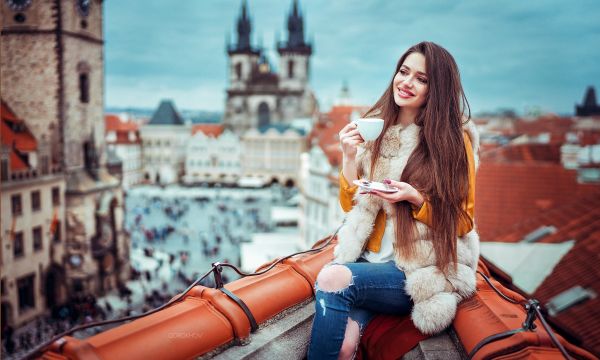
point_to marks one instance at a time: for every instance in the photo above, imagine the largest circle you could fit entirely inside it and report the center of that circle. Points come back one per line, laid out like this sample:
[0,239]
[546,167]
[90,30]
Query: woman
[415,250]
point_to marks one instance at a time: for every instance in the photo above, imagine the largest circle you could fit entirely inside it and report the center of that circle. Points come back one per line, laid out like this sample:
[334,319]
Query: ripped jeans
[375,288]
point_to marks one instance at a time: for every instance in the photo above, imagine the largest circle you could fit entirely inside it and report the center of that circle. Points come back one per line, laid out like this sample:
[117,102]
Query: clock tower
[52,76]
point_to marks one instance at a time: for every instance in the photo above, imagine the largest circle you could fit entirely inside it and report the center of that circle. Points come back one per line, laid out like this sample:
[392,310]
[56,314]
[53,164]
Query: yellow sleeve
[423,214]
[346,193]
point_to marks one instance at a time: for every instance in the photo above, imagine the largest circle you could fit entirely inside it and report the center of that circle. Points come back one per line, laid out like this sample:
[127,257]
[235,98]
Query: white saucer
[374,185]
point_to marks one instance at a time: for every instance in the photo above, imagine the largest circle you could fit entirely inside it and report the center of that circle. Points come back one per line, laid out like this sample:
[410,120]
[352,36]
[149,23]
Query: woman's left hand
[405,192]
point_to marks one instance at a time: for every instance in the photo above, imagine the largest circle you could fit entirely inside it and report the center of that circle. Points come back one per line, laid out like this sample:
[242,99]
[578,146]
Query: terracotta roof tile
[211,130]
[116,123]
[285,285]
[508,193]
[581,266]
[325,132]
[15,134]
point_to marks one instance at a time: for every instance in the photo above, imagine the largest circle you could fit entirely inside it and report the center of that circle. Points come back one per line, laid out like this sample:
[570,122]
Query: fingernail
[387,181]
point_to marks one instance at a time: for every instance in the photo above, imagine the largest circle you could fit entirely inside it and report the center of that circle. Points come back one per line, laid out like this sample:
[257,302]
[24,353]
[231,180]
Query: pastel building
[272,154]
[164,141]
[123,142]
[212,155]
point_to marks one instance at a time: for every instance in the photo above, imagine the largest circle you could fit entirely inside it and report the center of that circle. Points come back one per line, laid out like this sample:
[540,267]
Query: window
[26,293]
[84,88]
[45,165]
[56,196]
[4,170]
[291,68]
[17,208]
[238,70]
[36,202]
[18,250]
[37,238]
[57,234]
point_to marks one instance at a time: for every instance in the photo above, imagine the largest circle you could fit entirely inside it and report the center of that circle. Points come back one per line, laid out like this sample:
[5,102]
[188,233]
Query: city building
[52,76]
[212,155]
[257,96]
[33,227]
[271,154]
[123,143]
[319,188]
[590,106]
[164,141]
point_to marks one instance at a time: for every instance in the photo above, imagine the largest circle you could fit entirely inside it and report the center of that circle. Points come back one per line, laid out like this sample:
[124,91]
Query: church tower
[243,58]
[53,76]
[294,54]
[257,96]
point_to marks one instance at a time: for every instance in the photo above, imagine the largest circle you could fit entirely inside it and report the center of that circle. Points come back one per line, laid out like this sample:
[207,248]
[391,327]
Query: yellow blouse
[423,214]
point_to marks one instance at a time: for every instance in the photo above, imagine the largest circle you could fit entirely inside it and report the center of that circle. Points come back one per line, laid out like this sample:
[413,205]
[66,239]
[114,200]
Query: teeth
[404,92]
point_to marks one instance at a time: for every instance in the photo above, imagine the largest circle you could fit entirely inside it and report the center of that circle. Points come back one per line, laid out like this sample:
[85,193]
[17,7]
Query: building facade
[319,187]
[164,141]
[257,96]
[213,156]
[272,154]
[52,77]
[32,207]
[123,143]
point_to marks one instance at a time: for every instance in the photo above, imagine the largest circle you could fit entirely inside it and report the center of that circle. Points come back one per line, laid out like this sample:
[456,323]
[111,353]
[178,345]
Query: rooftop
[176,332]
[17,137]
[211,130]
[166,114]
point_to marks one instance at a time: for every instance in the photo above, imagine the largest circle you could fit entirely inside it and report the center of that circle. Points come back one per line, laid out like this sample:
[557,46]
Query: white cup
[369,128]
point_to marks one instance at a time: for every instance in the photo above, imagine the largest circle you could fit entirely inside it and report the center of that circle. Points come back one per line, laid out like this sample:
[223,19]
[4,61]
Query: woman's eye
[403,72]
[424,81]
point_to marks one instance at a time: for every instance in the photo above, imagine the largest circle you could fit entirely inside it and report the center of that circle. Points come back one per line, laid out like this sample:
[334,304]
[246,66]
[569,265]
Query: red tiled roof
[579,220]
[508,193]
[16,136]
[211,130]
[122,129]
[556,126]
[524,153]
[327,128]
[115,123]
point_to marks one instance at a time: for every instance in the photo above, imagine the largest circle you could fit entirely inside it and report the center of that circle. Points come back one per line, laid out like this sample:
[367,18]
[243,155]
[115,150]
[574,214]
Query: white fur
[434,314]
[434,308]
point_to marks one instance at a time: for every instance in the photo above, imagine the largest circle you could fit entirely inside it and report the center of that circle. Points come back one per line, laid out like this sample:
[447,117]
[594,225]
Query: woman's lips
[405,94]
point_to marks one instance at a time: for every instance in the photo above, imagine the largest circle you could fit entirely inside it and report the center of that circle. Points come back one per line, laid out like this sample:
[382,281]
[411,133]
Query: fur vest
[434,302]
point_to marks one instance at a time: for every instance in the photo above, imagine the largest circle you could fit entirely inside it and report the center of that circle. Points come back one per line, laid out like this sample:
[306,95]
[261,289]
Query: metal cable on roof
[532,306]
[216,269]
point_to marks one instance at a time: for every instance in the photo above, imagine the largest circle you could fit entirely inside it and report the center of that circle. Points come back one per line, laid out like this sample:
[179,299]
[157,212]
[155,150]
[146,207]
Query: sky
[520,55]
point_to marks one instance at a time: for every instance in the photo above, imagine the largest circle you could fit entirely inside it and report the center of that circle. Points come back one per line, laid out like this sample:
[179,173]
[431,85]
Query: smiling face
[410,83]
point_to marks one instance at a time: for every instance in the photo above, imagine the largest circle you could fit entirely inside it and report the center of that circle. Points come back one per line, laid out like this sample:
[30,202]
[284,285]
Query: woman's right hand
[349,140]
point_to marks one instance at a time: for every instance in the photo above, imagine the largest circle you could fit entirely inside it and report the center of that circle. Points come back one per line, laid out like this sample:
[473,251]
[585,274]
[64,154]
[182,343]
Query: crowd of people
[192,232]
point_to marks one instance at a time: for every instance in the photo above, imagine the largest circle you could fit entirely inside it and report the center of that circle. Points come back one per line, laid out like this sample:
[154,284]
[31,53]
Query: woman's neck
[406,116]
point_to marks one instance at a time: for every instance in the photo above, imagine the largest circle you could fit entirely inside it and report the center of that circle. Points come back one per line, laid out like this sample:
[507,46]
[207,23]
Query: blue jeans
[374,288]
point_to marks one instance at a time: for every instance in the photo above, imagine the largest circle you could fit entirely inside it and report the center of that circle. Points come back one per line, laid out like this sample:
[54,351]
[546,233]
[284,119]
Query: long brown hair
[438,167]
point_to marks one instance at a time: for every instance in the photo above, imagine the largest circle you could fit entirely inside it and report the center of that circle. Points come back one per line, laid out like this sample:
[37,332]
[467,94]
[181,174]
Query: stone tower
[53,76]
[294,54]
[257,96]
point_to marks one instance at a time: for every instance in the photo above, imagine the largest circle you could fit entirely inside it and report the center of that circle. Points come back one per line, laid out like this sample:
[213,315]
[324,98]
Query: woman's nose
[407,82]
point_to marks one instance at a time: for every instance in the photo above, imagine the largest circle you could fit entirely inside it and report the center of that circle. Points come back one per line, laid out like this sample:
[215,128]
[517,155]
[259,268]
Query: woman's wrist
[416,199]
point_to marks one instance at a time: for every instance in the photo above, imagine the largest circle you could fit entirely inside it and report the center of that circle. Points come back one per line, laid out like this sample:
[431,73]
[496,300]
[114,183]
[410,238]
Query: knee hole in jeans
[334,278]
[351,340]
